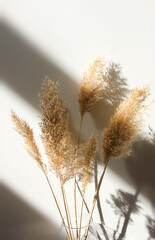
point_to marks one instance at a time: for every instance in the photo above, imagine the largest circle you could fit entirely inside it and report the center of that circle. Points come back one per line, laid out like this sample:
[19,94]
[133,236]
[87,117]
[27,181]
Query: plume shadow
[103,229]
[141,168]
[124,205]
[114,94]
[138,169]
[150,225]
[141,165]
[18,220]
[23,66]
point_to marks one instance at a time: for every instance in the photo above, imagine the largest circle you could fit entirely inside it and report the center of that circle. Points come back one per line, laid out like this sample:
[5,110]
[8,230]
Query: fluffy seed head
[82,162]
[56,136]
[26,132]
[92,85]
[90,149]
[126,124]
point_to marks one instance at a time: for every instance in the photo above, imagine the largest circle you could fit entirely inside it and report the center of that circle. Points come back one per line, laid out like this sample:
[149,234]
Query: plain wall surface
[60,39]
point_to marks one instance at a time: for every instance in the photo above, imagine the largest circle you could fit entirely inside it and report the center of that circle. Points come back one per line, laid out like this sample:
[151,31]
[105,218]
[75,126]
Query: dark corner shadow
[124,205]
[23,67]
[18,220]
[150,225]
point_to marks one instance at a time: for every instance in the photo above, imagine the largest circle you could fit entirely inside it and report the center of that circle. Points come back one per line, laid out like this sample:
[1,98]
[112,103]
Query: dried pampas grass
[126,124]
[92,85]
[88,163]
[56,136]
[26,132]
[67,160]
[124,128]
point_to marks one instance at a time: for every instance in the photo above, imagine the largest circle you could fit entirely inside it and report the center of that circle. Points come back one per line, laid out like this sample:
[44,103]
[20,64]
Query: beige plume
[92,85]
[24,130]
[126,124]
[88,164]
[56,136]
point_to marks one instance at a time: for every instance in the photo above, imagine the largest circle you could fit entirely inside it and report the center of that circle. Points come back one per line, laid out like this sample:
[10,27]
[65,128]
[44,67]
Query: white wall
[59,39]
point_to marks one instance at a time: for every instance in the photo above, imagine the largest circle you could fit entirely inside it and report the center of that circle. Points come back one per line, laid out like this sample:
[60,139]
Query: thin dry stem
[79,132]
[67,216]
[81,215]
[86,206]
[68,212]
[24,130]
[94,202]
[88,169]
[75,207]
[56,201]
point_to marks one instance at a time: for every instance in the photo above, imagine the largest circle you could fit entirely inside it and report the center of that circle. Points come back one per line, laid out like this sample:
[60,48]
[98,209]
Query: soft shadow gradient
[18,220]
[114,94]
[23,66]
[150,225]
[141,166]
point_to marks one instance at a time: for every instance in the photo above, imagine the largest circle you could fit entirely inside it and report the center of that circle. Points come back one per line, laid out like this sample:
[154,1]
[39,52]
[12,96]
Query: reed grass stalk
[94,202]
[55,200]
[75,205]
[75,208]
[86,206]
[71,234]
[81,213]
[67,159]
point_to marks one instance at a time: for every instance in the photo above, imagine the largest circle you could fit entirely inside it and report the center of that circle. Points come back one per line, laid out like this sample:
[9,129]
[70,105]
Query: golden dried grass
[92,85]
[88,163]
[23,128]
[56,135]
[126,124]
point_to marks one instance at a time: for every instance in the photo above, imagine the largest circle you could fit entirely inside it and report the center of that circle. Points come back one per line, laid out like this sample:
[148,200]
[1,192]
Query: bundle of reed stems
[69,160]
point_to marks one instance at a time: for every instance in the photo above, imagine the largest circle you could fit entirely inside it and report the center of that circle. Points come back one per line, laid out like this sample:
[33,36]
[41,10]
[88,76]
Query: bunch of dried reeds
[66,159]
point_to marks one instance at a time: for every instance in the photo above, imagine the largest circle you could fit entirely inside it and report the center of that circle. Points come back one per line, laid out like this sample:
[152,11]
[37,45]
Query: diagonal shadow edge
[23,67]
[19,220]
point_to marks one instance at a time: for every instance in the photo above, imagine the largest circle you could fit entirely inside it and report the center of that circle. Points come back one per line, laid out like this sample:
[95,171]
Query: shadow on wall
[114,94]
[139,169]
[23,67]
[141,166]
[19,221]
[124,205]
[150,225]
